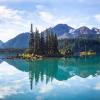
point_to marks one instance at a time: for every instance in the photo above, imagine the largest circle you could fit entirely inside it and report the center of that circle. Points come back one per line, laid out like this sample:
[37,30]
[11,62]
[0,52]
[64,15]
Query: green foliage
[51,43]
[79,44]
[29,50]
[37,42]
[42,45]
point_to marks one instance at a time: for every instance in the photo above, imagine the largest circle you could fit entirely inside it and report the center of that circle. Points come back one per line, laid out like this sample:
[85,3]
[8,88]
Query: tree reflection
[58,68]
[40,68]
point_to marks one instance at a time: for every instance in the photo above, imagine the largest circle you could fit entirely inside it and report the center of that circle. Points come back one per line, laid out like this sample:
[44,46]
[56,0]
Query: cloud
[46,88]
[12,87]
[12,80]
[89,2]
[10,19]
[46,16]
[13,22]
[9,14]
[14,0]
[52,19]
[8,90]
[97,17]
[97,87]
[82,85]
[8,69]
[20,1]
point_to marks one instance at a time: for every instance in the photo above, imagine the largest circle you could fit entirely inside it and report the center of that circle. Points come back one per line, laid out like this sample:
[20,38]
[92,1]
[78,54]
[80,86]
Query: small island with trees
[46,44]
[41,45]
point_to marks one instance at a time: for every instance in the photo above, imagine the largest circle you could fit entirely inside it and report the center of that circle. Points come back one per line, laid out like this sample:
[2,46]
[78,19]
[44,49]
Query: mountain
[96,30]
[1,43]
[20,41]
[83,30]
[62,30]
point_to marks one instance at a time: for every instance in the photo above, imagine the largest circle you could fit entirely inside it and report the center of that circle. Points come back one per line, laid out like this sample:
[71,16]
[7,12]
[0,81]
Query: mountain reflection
[60,69]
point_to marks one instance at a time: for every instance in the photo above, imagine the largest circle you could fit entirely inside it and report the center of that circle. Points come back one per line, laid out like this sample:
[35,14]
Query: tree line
[45,43]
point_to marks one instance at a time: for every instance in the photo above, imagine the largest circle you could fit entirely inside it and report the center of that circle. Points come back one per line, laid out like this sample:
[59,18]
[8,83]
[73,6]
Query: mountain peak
[61,25]
[60,29]
[96,30]
[83,30]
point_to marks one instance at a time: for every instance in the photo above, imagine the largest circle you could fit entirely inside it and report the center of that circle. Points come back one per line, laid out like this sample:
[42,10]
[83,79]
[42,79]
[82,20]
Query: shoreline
[40,57]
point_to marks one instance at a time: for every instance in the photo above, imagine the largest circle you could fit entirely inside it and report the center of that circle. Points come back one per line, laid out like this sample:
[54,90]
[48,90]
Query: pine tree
[31,40]
[37,42]
[51,43]
[56,51]
[47,48]
[42,44]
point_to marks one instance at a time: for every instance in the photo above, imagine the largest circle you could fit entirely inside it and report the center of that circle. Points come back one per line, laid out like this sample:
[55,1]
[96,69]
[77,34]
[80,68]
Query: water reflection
[37,70]
[59,69]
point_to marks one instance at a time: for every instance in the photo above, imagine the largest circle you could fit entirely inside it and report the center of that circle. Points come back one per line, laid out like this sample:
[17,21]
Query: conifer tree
[31,40]
[47,42]
[56,51]
[51,43]
[42,44]
[37,42]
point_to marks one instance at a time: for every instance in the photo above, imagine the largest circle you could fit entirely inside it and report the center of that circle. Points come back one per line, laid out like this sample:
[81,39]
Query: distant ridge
[1,43]
[20,41]
[62,30]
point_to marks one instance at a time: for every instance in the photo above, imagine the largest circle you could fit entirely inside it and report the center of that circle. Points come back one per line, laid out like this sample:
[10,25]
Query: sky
[17,15]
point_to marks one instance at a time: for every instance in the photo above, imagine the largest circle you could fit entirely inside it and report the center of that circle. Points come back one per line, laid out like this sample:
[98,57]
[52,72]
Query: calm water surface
[50,79]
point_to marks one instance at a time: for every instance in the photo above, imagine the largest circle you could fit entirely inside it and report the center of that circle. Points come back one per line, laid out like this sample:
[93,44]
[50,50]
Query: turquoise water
[50,79]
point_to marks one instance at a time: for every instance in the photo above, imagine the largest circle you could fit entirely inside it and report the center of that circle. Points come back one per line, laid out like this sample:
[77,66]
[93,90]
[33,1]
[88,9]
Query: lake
[76,78]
